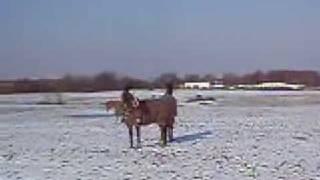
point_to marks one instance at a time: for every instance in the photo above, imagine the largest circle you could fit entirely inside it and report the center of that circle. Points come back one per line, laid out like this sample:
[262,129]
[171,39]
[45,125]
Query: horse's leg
[163,135]
[170,133]
[170,129]
[130,136]
[138,136]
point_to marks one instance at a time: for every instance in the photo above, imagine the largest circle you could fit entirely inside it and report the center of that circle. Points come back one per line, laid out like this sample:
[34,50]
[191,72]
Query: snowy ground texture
[243,135]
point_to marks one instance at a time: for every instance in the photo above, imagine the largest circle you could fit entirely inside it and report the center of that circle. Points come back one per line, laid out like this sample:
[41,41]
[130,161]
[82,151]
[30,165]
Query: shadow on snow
[90,115]
[192,137]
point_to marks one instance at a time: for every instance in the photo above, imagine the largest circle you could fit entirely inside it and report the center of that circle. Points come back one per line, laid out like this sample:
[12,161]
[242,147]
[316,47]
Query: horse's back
[162,111]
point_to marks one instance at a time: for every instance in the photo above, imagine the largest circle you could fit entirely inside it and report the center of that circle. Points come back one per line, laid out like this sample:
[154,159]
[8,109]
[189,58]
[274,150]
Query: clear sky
[48,38]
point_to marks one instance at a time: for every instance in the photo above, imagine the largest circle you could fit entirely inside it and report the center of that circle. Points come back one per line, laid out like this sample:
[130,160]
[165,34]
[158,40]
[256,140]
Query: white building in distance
[197,85]
[271,86]
[280,85]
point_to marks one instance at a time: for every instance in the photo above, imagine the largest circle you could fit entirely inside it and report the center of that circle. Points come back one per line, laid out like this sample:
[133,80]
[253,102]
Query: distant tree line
[308,78]
[113,81]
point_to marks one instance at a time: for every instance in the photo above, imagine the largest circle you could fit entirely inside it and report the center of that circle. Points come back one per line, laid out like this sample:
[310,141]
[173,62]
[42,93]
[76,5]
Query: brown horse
[161,111]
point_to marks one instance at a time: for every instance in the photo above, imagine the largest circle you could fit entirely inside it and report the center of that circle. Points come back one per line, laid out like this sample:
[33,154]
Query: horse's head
[134,111]
[130,104]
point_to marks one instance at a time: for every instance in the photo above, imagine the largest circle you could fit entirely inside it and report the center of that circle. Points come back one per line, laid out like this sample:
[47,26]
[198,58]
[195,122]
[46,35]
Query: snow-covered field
[243,135]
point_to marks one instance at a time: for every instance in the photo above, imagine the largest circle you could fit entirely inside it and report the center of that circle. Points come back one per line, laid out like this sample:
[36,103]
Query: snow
[243,135]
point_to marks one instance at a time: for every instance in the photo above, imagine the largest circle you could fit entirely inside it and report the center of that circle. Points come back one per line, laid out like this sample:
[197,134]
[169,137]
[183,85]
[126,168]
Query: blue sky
[48,38]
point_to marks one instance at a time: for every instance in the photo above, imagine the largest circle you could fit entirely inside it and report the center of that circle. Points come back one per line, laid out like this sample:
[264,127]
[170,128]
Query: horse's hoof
[162,144]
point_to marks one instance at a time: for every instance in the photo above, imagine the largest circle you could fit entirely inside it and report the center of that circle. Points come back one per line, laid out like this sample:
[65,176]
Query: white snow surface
[243,135]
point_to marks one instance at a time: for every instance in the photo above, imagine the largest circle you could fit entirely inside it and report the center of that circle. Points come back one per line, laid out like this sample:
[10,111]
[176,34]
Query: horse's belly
[145,123]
